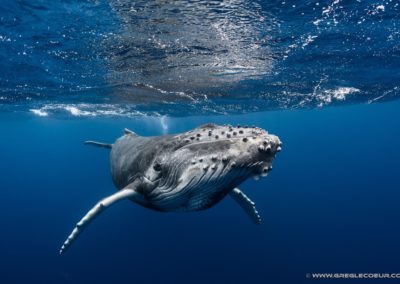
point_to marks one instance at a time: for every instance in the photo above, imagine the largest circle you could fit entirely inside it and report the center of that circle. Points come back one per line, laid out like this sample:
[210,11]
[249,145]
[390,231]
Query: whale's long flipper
[98,144]
[94,212]
[248,206]
[129,132]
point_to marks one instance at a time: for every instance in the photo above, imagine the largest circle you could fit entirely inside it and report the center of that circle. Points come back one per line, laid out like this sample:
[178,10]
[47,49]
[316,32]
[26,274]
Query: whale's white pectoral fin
[98,144]
[94,212]
[248,206]
[128,131]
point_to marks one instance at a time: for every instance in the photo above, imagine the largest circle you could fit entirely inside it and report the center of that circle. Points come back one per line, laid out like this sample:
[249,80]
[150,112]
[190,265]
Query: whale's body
[190,171]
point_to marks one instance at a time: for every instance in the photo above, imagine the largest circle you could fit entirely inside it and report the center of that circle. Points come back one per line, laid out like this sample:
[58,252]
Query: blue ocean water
[322,75]
[329,205]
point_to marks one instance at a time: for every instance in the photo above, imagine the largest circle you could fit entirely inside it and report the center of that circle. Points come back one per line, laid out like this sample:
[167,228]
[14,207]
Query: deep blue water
[322,75]
[331,204]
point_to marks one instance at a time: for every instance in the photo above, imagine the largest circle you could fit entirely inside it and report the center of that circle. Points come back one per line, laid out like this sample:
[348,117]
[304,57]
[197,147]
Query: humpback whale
[190,171]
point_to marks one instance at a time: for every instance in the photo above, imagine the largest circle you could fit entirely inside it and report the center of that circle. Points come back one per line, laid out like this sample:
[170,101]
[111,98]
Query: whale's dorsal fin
[247,205]
[129,132]
[98,144]
[127,192]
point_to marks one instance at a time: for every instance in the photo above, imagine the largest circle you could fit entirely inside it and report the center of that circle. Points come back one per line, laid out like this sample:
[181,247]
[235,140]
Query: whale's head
[197,168]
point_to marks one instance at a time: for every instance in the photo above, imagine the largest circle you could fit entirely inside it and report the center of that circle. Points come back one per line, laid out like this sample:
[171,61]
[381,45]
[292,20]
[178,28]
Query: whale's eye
[157,167]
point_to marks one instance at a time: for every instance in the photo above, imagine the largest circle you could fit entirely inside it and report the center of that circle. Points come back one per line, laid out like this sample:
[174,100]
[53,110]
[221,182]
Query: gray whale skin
[190,171]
